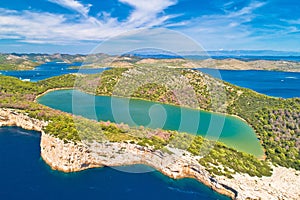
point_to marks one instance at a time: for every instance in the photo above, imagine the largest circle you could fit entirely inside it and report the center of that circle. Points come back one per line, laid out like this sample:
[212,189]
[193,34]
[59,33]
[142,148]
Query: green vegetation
[63,81]
[279,130]
[218,158]
[276,121]
[226,161]
[280,137]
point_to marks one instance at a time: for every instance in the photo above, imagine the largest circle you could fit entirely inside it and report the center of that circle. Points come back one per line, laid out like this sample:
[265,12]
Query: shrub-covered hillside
[275,120]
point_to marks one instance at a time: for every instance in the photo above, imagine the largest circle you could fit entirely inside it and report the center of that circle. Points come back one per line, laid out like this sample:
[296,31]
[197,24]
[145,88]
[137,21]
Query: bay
[49,70]
[271,83]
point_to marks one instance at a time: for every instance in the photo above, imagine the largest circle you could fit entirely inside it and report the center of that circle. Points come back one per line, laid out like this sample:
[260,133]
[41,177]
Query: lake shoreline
[225,117]
[136,98]
[50,90]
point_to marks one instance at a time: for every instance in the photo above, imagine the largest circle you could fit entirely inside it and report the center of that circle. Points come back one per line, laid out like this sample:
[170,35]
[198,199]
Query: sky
[78,26]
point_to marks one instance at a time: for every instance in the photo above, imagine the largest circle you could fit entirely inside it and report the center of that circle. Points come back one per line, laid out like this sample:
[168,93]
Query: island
[101,60]
[12,62]
[72,143]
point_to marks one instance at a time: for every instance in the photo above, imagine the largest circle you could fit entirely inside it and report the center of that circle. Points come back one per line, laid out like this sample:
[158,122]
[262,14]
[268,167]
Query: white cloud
[291,21]
[223,30]
[246,11]
[146,12]
[44,27]
[73,5]
[36,27]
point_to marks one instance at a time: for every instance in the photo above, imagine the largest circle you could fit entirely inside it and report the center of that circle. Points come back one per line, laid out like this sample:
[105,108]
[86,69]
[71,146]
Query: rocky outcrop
[70,157]
[12,117]
[283,184]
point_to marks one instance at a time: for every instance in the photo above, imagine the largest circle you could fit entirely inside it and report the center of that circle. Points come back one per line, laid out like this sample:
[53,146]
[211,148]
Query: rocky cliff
[70,157]
[12,117]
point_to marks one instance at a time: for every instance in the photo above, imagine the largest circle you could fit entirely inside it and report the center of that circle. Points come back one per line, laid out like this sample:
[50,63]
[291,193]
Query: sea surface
[24,175]
[48,70]
[231,130]
[272,83]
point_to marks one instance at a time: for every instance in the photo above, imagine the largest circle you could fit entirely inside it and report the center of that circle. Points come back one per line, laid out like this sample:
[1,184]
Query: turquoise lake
[232,131]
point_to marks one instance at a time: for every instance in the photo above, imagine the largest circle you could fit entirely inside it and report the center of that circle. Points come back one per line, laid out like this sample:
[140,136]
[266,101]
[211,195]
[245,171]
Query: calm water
[48,70]
[24,175]
[231,130]
[272,83]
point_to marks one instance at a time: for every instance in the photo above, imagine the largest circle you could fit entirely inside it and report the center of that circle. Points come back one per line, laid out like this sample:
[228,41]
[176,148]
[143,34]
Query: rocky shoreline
[71,157]
[12,117]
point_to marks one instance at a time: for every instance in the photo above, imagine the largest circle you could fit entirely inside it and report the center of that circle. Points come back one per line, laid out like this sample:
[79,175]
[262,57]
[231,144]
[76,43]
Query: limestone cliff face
[69,157]
[12,117]
[66,157]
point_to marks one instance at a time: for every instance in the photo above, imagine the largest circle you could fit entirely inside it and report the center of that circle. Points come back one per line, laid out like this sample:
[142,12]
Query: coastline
[51,90]
[229,63]
[70,157]
[111,154]
[261,64]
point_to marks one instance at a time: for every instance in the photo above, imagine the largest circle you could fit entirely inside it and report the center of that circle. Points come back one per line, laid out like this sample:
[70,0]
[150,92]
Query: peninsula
[72,143]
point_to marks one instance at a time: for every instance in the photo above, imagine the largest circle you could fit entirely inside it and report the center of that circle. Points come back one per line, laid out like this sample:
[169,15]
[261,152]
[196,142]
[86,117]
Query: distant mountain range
[237,54]
[16,61]
[253,53]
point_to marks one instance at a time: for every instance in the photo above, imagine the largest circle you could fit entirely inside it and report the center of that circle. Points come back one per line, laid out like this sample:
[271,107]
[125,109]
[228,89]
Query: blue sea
[24,174]
[48,70]
[272,83]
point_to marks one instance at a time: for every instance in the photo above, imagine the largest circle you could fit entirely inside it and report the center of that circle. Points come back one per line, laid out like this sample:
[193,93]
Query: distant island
[218,60]
[72,143]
